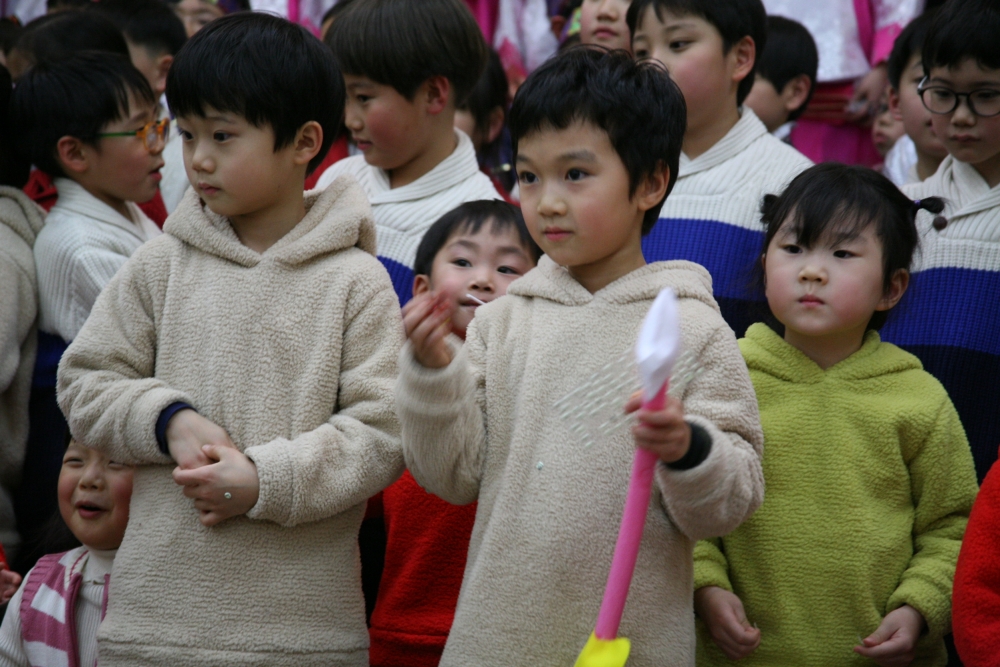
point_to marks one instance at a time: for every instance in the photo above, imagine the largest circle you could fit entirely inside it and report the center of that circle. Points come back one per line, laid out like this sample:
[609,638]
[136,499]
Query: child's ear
[894,104]
[421,284]
[796,92]
[496,125]
[744,55]
[653,188]
[73,155]
[163,64]
[307,143]
[897,288]
[437,92]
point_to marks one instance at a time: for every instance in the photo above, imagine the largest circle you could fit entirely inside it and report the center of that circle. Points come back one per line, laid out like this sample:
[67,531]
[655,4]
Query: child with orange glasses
[91,123]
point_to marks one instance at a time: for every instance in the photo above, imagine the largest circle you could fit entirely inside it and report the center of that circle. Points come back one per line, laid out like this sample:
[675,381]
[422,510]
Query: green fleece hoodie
[869,486]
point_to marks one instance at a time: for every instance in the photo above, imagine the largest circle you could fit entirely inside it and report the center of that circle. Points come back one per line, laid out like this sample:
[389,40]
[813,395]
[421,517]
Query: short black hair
[147,23]
[56,37]
[843,200]
[265,69]
[66,4]
[489,93]
[76,97]
[790,53]
[963,29]
[636,103]
[910,42]
[469,218]
[14,168]
[734,19]
[402,43]
[335,11]
[10,30]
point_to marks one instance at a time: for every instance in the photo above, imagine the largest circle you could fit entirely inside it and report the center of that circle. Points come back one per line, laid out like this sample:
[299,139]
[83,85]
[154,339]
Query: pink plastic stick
[629,535]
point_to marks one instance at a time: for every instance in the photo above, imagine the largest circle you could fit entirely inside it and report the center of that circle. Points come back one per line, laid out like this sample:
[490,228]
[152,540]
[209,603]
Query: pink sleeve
[890,17]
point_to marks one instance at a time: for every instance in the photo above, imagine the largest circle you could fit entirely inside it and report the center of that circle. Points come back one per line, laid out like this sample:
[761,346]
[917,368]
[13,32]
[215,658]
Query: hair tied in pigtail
[932,205]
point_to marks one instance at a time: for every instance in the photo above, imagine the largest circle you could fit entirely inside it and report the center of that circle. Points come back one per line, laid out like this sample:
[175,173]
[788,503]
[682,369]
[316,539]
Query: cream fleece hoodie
[293,352]
[20,222]
[549,509]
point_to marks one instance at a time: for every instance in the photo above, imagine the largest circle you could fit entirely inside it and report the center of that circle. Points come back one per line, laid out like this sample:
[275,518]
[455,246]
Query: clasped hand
[209,467]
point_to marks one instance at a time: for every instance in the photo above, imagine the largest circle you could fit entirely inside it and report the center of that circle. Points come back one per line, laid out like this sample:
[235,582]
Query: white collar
[747,130]
[74,198]
[451,171]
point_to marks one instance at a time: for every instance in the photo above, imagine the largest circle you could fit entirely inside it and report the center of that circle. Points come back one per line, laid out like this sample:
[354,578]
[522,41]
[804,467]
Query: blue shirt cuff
[164,420]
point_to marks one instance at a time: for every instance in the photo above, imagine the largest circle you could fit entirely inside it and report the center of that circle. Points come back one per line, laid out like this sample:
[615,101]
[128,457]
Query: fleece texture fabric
[84,242]
[975,610]
[949,318]
[486,427]
[20,222]
[427,540]
[869,486]
[403,214]
[712,216]
[292,351]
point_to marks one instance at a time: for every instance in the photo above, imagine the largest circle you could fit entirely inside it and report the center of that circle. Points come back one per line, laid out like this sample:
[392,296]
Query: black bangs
[636,103]
[265,69]
[402,43]
[964,29]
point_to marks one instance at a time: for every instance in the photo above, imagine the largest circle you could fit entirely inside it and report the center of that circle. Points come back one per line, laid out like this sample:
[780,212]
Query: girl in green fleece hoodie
[868,472]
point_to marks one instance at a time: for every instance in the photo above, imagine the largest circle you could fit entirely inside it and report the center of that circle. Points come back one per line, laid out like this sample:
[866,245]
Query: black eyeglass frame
[922,88]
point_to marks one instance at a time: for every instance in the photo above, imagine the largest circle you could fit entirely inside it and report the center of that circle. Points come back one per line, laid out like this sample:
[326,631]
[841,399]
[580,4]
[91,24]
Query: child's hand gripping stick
[656,350]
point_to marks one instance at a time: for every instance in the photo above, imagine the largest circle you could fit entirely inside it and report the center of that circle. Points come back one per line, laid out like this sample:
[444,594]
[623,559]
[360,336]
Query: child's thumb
[213,451]
[882,634]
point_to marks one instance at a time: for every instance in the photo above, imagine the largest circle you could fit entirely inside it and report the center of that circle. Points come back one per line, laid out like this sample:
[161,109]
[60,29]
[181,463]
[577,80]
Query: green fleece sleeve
[710,565]
[943,481]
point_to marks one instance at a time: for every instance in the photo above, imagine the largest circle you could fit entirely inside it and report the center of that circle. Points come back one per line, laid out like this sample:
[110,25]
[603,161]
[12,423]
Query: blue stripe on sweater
[402,278]
[950,307]
[728,252]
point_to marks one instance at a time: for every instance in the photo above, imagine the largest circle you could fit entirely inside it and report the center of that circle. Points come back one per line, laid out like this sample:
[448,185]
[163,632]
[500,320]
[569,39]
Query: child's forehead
[578,135]
[491,236]
[656,17]
[968,72]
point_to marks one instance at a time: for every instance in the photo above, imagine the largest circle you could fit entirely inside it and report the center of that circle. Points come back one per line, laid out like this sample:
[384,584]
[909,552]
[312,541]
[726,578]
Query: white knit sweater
[712,216]
[403,214]
[84,242]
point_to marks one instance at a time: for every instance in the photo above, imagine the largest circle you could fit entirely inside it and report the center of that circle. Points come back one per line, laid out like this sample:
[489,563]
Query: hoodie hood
[767,352]
[551,281]
[336,219]
[23,216]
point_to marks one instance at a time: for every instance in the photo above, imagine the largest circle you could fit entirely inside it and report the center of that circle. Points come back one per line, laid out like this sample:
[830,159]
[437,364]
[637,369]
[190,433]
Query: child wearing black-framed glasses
[952,322]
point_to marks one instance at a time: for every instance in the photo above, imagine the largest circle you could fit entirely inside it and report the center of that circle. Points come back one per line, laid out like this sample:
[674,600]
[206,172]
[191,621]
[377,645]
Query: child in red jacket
[470,255]
[975,605]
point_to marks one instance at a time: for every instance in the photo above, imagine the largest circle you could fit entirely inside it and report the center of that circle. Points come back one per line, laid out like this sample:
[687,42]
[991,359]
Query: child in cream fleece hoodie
[253,346]
[481,424]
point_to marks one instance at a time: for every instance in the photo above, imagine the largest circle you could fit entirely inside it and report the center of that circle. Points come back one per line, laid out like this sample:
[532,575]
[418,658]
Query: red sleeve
[155,209]
[976,596]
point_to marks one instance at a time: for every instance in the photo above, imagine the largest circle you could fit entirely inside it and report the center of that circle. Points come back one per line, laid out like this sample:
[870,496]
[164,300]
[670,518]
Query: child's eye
[72,461]
[509,270]
[221,136]
[676,45]
[641,53]
[526,177]
[791,248]
[185,135]
[362,98]
[575,174]
[843,254]
[464,263]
